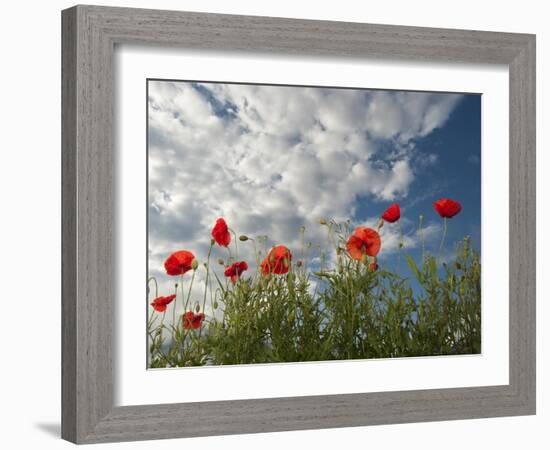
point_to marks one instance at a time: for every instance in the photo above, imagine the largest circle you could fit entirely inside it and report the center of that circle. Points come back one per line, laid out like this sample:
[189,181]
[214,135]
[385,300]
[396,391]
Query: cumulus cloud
[271,159]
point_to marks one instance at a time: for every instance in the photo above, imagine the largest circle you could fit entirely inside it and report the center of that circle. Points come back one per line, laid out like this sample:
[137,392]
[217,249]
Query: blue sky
[456,174]
[271,159]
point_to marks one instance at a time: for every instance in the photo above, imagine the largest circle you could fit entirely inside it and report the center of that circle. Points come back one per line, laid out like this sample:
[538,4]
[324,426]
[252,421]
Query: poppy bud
[302,229]
[221,262]
[215,305]
[322,221]
[205,265]
[212,241]
[401,245]
[299,263]
[243,238]
[176,285]
[380,223]
[194,264]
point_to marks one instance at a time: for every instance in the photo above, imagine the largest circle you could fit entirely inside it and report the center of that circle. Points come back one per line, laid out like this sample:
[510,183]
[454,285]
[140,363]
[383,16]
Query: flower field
[286,306]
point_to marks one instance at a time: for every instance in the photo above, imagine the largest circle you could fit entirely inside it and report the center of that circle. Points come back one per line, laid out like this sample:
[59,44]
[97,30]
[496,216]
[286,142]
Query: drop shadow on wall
[51,428]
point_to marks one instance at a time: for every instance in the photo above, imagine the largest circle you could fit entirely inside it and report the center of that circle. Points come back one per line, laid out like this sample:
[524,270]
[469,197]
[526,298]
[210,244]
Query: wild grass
[339,309]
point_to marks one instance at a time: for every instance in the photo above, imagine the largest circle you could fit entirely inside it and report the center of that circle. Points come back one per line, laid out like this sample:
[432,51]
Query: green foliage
[349,312]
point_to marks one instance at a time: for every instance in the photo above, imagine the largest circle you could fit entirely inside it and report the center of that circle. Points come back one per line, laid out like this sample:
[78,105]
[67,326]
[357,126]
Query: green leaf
[414,268]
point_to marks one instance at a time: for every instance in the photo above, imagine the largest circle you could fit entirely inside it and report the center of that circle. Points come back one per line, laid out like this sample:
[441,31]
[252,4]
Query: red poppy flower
[220,233]
[392,214]
[159,304]
[277,261]
[235,270]
[179,262]
[373,267]
[447,208]
[363,241]
[192,320]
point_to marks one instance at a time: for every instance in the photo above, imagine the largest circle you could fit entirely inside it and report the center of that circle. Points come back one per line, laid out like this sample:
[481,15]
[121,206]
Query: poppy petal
[392,214]
[179,262]
[220,233]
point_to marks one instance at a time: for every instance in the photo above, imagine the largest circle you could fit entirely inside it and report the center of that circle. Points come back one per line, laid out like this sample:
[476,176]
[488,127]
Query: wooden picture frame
[90,34]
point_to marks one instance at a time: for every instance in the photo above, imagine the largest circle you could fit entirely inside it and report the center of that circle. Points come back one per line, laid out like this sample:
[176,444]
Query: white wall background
[30,223]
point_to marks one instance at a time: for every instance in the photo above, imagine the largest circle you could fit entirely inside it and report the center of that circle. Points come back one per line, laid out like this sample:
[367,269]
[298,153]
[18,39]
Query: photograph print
[305,223]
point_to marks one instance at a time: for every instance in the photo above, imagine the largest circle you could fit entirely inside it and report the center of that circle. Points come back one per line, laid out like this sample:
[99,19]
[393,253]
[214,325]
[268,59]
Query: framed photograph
[278,224]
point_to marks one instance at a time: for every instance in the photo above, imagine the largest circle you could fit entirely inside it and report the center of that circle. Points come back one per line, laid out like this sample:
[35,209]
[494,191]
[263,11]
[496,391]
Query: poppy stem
[159,334]
[236,246]
[156,285]
[189,291]
[302,244]
[230,257]
[162,321]
[207,276]
[206,284]
[444,235]
[400,245]
[256,255]
[206,289]
[174,323]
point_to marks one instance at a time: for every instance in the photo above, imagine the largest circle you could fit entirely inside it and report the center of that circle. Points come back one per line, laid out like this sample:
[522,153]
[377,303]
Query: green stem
[302,251]
[207,276]
[236,246]
[256,254]
[189,291]
[444,235]
[175,303]
[205,287]
[182,343]
[400,245]
[159,336]
[330,236]
[230,257]
[174,323]
[156,285]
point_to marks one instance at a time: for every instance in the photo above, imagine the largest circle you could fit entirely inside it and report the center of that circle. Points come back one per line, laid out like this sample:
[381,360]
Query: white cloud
[271,159]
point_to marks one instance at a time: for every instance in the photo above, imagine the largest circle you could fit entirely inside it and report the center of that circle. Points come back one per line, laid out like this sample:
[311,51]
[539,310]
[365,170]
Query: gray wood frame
[89,36]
